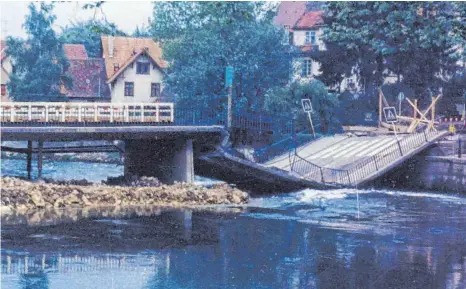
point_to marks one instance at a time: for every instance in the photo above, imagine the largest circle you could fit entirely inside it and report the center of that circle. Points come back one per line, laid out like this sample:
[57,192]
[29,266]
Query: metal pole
[396,137]
[39,159]
[399,106]
[459,146]
[312,125]
[29,159]
[230,107]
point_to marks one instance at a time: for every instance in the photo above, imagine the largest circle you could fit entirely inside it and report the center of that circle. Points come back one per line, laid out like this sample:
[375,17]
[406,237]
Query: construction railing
[352,175]
[15,112]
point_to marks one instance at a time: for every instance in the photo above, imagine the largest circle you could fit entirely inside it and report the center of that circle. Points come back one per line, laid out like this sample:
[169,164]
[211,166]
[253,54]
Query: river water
[308,239]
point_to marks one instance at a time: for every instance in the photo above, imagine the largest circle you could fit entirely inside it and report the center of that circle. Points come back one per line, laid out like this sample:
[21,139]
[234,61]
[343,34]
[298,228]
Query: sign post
[307,107]
[229,86]
[401,97]
[391,117]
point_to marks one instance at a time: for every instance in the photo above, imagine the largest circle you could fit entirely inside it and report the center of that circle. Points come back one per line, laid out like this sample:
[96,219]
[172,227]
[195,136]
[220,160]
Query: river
[308,239]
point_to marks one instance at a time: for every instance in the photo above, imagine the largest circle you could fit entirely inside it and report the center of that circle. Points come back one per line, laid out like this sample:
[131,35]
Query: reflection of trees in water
[35,280]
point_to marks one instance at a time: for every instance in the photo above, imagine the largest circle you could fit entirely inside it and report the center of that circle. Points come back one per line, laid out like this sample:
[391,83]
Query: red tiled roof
[310,19]
[124,50]
[289,12]
[88,78]
[75,51]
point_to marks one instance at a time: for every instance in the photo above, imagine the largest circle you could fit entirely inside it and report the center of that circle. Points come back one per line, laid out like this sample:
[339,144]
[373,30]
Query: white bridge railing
[86,112]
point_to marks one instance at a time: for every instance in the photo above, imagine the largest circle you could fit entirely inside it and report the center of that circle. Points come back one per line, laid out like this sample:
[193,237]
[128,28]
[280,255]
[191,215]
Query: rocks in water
[133,181]
[22,195]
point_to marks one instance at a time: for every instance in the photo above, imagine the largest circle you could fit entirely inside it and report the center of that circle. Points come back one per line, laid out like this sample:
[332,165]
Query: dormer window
[310,37]
[142,67]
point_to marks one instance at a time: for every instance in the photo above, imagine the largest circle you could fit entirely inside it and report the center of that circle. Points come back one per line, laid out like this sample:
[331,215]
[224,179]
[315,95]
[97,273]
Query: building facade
[134,69]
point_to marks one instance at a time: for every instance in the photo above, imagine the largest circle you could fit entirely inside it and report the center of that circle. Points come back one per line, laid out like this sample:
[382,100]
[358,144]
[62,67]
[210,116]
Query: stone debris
[19,195]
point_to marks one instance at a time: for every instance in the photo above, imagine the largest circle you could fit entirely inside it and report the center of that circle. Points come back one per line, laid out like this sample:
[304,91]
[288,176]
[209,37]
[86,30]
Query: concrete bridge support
[169,160]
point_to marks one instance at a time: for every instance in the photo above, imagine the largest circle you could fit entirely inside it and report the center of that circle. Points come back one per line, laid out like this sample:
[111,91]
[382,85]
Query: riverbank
[21,196]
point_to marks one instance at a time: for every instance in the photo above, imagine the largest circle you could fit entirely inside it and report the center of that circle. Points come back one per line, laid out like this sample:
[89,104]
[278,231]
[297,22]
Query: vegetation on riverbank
[22,196]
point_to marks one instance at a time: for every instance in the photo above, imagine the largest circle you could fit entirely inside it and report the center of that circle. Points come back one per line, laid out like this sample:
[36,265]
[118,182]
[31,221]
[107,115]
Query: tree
[39,62]
[199,39]
[286,100]
[412,40]
[89,33]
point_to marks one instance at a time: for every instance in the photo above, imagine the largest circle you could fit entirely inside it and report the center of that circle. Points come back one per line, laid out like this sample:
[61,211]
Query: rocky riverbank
[22,196]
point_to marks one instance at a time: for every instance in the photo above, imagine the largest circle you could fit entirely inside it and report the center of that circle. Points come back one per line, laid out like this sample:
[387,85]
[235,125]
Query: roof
[75,51]
[2,48]
[124,51]
[88,78]
[289,12]
[310,19]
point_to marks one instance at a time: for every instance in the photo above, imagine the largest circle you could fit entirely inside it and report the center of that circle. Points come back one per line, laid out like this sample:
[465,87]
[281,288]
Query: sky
[125,14]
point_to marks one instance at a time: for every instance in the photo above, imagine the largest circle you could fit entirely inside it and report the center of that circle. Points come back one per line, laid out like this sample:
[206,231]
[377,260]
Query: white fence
[86,112]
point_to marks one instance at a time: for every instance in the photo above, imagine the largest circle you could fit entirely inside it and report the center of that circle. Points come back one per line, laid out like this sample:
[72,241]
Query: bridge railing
[356,172]
[15,112]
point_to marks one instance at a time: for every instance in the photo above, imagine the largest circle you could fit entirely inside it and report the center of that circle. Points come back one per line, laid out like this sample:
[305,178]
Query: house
[134,69]
[304,28]
[6,68]
[89,76]
[306,36]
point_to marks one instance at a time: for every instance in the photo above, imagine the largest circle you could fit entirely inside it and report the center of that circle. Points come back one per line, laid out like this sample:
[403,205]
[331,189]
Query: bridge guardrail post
[374,159]
[63,113]
[399,146]
[29,112]
[322,175]
[111,112]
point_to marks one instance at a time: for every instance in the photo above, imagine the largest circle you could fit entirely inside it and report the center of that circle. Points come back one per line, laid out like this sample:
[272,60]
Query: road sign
[401,96]
[390,114]
[228,76]
[307,105]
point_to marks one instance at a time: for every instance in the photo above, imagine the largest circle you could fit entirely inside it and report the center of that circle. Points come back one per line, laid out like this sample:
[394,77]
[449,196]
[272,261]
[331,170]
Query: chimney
[110,46]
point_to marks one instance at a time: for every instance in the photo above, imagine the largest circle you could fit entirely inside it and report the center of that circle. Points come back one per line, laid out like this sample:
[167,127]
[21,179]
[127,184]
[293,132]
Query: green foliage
[199,39]
[142,31]
[39,62]
[286,100]
[411,40]
[89,33]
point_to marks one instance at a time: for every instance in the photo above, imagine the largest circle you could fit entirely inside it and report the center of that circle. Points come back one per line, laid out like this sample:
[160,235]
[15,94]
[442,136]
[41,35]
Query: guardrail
[355,173]
[15,112]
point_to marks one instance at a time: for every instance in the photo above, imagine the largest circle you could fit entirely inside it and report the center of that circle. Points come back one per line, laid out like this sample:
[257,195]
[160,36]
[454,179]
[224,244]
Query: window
[116,66]
[307,67]
[129,88]
[310,37]
[3,89]
[155,90]
[290,38]
[142,68]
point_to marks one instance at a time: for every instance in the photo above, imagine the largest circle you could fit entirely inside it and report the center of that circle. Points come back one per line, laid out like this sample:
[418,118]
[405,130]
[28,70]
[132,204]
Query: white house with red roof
[134,69]
[304,31]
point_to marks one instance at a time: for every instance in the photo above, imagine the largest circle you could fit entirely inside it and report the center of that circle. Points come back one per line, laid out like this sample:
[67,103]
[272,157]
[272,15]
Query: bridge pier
[169,160]
[40,147]
[29,159]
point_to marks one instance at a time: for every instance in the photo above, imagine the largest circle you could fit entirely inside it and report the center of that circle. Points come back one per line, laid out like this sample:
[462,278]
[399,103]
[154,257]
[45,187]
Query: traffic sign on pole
[307,105]
[390,114]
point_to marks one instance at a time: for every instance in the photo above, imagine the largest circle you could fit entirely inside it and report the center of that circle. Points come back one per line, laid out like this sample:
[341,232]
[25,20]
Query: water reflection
[402,242]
